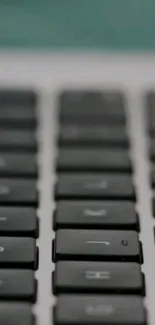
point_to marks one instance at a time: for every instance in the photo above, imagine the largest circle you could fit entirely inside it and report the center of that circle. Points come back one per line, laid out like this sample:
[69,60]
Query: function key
[103,245]
[18,140]
[18,191]
[18,165]
[93,160]
[96,214]
[12,313]
[98,277]
[18,253]
[71,135]
[97,309]
[17,285]
[83,186]
[17,97]
[19,221]
[92,106]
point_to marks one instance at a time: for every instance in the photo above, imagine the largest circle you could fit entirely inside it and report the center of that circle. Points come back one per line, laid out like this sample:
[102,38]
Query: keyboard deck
[95,190]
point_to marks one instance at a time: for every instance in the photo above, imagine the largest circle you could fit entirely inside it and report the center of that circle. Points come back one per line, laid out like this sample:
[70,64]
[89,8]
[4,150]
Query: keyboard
[77,179]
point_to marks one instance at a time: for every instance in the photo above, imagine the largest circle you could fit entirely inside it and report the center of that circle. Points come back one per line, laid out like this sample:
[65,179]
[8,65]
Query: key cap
[17,117]
[77,135]
[17,285]
[107,186]
[150,111]
[22,165]
[16,313]
[18,191]
[95,214]
[98,277]
[108,310]
[18,221]
[18,252]
[92,106]
[96,245]
[18,140]
[17,97]
[116,160]
[152,149]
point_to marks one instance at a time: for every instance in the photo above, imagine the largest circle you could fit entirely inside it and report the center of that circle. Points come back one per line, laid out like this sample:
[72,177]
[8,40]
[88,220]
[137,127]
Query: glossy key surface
[96,245]
[94,186]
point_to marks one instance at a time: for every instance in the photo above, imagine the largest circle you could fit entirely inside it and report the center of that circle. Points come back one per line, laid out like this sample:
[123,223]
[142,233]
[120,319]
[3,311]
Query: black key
[17,285]
[93,160]
[96,214]
[17,98]
[15,165]
[18,221]
[108,310]
[17,117]
[18,252]
[92,106]
[97,245]
[150,111]
[18,140]
[152,149]
[18,191]
[92,186]
[98,277]
[77,135]
[16,313]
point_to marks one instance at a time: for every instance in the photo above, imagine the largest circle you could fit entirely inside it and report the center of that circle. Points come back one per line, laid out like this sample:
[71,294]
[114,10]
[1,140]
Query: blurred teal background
[105,24]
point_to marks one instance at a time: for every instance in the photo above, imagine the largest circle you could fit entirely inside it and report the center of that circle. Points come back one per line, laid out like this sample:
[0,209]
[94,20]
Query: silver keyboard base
[48,73]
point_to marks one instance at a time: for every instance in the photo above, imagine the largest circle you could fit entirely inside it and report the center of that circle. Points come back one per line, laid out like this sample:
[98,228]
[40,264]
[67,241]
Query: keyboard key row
[18,313]
[12,140]
[90,136]
[98,277]
[18,191]
[19,221]
[83,186]
[91,106]
[18,285]
[109,310]
[99,245]
[95,214]
[18,165]
[97,160]
[18,253]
